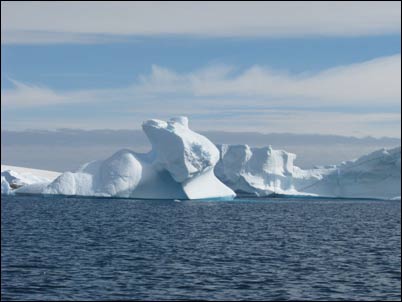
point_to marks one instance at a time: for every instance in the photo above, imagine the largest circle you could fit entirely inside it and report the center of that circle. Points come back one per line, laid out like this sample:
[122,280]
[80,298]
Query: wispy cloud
[370,82]
[25,95]
[65,22]
[223,97]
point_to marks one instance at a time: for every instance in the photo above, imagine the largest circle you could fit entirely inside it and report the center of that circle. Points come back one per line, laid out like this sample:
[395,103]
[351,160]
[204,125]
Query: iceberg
[376,175]
[179,166]
[265,171]
[183,164]
[13,178]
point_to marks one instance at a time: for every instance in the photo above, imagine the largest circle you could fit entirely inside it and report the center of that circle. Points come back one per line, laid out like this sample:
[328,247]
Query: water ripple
[67,248]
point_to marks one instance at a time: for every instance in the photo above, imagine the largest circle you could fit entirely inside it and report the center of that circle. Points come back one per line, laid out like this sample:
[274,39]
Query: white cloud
[25,95]
[221,97]
[375,81]
[48,22]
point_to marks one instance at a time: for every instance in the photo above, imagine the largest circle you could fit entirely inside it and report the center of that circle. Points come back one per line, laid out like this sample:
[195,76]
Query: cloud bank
[358,99]
[372,82]
[96,22]
[369,82]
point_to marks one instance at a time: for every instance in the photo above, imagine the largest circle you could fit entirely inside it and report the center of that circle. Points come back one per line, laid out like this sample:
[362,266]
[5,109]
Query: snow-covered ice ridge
[179,166]
[186,165]
[265,171]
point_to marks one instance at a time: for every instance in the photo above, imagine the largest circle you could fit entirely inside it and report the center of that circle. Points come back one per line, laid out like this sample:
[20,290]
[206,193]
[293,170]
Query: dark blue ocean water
[273,249]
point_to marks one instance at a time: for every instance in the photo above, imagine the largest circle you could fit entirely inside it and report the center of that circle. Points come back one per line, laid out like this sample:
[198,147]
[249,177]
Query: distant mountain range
[92,137]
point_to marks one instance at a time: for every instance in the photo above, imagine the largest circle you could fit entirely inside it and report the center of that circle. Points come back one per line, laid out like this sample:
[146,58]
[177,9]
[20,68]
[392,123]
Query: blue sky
[120,64]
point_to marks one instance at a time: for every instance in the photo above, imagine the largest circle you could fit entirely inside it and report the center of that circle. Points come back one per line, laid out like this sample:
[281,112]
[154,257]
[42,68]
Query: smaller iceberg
[375,175]
[15,178]
[265,171]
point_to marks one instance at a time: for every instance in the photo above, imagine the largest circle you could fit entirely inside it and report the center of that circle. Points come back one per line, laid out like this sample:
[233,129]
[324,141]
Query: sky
[329,68]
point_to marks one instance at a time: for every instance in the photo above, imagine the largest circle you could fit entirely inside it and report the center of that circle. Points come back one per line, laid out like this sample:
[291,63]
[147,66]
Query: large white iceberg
[265,171]
[179,166]
[186,165]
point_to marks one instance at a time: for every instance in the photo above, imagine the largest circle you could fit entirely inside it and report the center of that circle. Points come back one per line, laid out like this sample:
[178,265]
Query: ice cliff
[179,166]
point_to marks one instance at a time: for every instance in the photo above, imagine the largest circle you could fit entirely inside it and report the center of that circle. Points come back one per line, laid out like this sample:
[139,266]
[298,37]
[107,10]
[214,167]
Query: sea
[248,249]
